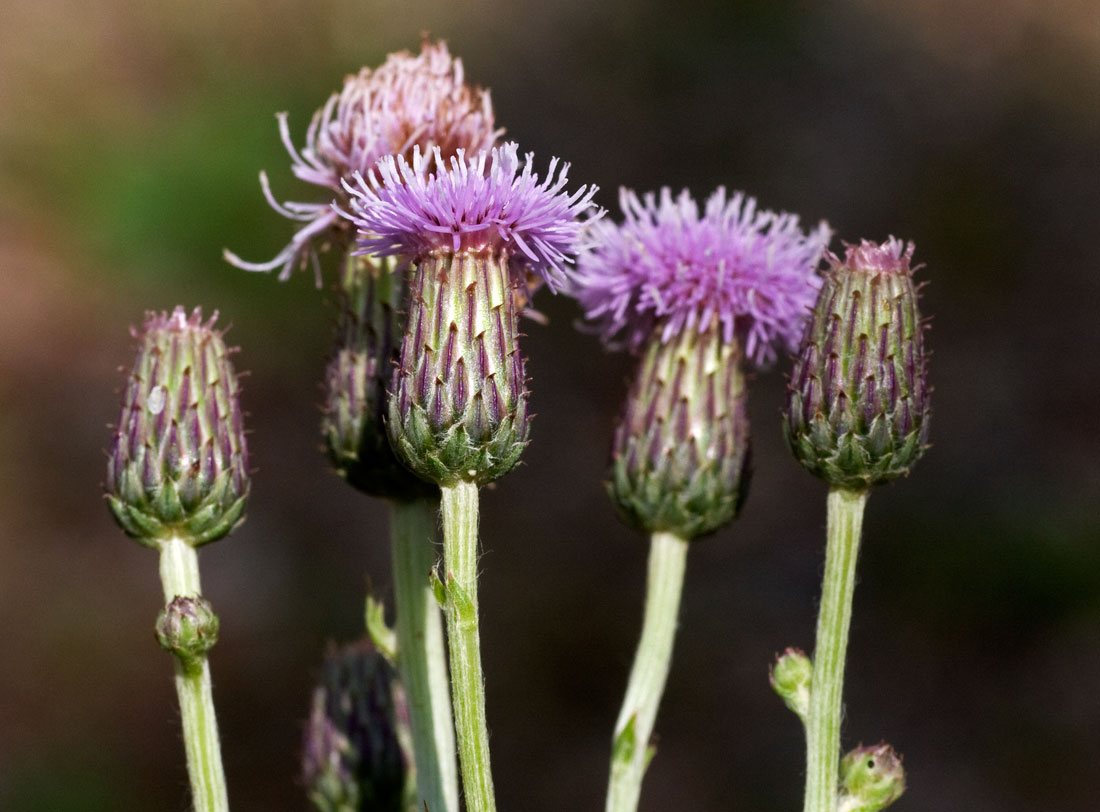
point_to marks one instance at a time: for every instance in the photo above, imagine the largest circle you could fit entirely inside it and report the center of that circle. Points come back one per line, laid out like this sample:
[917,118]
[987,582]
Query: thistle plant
[857,416]
[177,478]
[473,230]
[697,296]
[353,757]
[409,103]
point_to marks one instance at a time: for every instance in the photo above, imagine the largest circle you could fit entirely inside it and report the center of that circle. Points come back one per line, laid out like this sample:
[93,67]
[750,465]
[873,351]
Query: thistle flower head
[178,463]
[352,757]
[410,102]
[668,266]
[858,404]
[489,203]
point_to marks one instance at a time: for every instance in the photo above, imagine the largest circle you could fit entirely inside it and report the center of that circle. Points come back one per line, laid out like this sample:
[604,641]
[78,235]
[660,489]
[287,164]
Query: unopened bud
[871,778]
[791,677]
[858,400]
[188,628]
[368,334]
[178,464]
[352,754]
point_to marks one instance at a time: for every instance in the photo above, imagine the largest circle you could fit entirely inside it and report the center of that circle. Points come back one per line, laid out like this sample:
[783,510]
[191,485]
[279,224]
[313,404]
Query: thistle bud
[791,677]
[680,458]
[178,464]
[459,405]
[188,628]
[352,754]
[369,328]
[858,400]
[871,778]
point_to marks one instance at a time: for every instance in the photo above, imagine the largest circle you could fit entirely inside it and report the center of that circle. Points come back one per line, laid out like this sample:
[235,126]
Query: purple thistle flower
[486,203]
[752,271]
[410,102]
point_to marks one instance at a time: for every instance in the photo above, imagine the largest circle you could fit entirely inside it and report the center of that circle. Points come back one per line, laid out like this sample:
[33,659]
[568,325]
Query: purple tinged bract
[668,266]
[492,202]
[409,102]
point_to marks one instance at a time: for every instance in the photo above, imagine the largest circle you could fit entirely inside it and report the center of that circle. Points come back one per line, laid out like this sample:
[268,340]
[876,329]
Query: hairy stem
[460,513]
[422,655]
[845,518]
[179,575]
[630,747]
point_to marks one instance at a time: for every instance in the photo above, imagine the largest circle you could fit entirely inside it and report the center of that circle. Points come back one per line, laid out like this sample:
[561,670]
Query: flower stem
[460,507]
[179,575]
[845,518]
[422,655]
[631,750]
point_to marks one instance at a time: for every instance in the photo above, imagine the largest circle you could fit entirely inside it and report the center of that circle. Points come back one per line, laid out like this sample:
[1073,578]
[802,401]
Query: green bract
[459,406]
[858,400]
[680,458]
[178,464]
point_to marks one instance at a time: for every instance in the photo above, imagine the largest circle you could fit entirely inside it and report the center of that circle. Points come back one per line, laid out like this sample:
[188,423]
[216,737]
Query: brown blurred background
[130,140]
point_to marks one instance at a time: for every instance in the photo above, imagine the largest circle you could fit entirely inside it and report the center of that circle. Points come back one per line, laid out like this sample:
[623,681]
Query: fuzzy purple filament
[670,267]
[491,202]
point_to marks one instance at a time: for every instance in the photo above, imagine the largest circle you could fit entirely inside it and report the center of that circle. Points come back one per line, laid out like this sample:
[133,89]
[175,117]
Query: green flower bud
[188,628]
[459,406]
[791,677]
[353,759]
[871,778]
[369,327]
[858,400]
[178,464]
[680,458]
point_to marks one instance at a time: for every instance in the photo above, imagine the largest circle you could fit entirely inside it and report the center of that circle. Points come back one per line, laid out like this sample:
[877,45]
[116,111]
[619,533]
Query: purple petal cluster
[752,272]
[409,102]
[491,202]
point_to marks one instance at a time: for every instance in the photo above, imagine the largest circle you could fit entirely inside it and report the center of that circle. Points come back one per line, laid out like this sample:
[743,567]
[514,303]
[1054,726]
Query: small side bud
[352,753]
[680,458]
[871,778]
[188,628]
[791,677]
[178,464]
[858,403]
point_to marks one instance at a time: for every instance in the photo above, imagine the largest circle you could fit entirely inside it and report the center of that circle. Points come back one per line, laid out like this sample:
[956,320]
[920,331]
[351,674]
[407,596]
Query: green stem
[631,750]
[845,518]
[467,684]
[179,575]
[422,655]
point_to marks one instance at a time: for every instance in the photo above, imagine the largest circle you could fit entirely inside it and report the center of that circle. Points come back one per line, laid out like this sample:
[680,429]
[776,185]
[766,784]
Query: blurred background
[130,142]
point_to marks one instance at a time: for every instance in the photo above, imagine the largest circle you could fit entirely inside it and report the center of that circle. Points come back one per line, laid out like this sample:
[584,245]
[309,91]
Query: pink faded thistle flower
[892,257]
[409,102]
[753,272]
[489,202]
